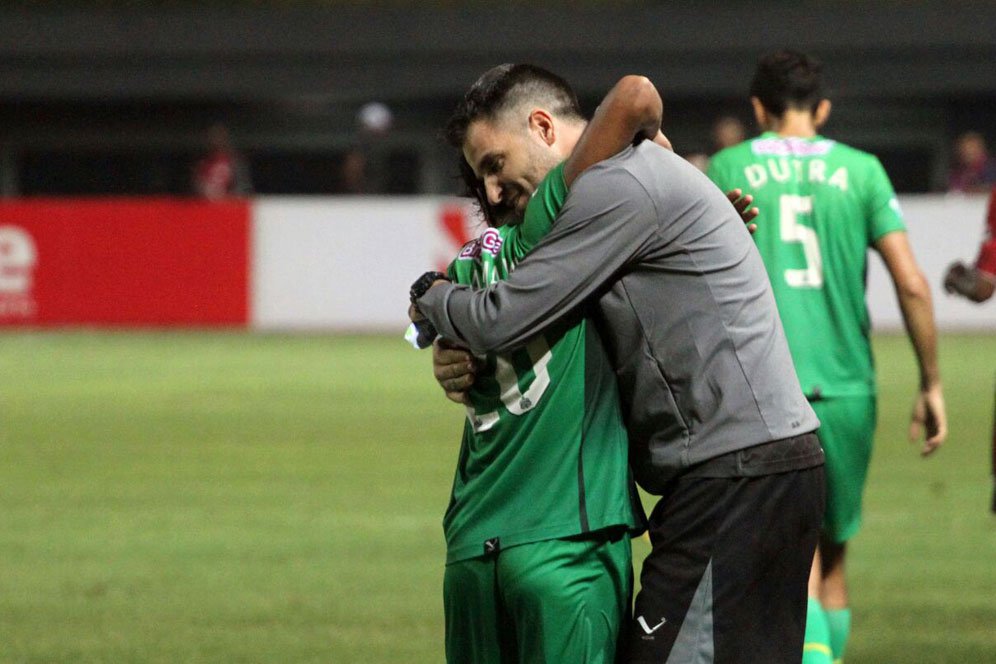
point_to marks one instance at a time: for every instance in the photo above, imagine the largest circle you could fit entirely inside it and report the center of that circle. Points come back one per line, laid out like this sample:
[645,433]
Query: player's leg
[726,578]
[846,432]
[816,648]
[477,630]
[568,598]
[836,605]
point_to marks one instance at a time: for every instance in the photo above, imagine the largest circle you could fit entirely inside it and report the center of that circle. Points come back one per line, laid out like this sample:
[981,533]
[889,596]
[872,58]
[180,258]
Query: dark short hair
[505,86]
[788,79]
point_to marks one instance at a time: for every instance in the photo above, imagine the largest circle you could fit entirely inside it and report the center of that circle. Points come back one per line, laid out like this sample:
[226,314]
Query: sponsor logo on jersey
[490,242]
[790,147]
[470,251]
[18,257]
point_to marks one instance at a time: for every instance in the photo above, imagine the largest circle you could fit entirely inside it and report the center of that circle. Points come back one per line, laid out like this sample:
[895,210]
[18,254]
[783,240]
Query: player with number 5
[823,204]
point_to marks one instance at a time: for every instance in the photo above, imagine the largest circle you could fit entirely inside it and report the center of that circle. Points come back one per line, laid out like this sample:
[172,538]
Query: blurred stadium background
[215,447]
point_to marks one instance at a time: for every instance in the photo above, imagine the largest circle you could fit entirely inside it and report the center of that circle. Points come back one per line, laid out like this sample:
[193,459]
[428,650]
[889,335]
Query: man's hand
[960,279]
[741,202]
[968,282]
[454,369]
[929,418]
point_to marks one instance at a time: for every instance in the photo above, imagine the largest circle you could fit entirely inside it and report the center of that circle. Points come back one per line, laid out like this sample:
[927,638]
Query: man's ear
[760,113]
[541,123]
[822,113]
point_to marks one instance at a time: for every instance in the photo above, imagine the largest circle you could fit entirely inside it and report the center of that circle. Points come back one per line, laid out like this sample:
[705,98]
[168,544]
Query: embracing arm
[606,223]
[632,110]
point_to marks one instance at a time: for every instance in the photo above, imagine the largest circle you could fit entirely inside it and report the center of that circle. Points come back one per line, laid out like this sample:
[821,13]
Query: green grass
[221,497]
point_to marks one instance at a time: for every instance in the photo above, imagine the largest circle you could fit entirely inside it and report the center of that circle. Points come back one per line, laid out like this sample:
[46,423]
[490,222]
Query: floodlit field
[221,497]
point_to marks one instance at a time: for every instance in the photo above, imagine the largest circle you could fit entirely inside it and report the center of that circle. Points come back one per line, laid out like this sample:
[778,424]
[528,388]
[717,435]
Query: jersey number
[792,231]
[515,399]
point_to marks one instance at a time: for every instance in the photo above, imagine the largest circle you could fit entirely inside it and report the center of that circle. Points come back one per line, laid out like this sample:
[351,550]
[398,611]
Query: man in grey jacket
[718,425]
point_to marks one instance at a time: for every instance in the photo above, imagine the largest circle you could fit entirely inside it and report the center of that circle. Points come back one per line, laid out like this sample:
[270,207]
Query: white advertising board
[345,264]
[942,229]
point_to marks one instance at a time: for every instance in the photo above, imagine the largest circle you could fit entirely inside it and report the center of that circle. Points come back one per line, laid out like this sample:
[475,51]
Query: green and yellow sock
[839,624]
[816,647]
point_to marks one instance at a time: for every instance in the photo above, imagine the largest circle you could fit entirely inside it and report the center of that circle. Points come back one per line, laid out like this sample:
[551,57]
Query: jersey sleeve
[986,261]
[882,207]
[543,208]
[607,223]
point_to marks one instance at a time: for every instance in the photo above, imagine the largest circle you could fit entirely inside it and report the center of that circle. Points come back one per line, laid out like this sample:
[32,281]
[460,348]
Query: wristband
[423,284]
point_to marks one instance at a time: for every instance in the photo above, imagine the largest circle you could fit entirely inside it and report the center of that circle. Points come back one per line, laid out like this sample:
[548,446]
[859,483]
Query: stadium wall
[316,264]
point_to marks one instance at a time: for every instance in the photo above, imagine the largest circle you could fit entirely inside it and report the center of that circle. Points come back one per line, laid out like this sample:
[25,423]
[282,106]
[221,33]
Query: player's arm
[929,413]
[631,111]
[593,239]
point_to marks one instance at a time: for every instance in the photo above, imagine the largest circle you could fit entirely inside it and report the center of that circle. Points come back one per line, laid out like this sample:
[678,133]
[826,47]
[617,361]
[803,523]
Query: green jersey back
[544,452]
[822,205]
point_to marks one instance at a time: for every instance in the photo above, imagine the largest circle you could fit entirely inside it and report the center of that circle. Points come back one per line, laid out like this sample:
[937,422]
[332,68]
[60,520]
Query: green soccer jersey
[822,205]
[544,452]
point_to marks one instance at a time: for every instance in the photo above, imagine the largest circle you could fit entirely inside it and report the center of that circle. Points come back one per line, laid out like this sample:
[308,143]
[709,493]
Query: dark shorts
[726,578]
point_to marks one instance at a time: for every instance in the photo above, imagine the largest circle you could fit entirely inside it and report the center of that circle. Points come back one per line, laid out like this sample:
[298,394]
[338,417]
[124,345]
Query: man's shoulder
[638,163]
[618,170]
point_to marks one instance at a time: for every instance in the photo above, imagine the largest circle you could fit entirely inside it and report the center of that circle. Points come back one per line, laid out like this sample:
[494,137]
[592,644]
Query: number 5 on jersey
[792,231]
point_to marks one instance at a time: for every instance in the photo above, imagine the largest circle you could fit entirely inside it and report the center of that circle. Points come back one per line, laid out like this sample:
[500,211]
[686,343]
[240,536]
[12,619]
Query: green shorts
[561,600]
[847,427]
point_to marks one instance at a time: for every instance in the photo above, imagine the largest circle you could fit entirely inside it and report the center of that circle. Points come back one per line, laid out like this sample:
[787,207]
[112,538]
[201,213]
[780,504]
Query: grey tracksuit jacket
[682,302]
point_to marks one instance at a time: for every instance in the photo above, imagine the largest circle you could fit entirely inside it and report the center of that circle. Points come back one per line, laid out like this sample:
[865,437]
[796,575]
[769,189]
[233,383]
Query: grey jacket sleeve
[607,221]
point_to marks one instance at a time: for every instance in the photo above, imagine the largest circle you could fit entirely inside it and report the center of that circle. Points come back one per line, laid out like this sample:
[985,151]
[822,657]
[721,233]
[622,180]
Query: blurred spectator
[728,131]
[977,282]
[222,172]
[699,160]
[366,167]
[973,170]
[353,172]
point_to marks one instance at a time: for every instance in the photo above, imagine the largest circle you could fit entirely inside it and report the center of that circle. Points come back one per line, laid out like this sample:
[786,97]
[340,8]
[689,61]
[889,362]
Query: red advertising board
[142,262]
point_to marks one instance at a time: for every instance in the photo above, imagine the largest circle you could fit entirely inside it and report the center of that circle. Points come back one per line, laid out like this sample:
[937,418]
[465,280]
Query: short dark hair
[788,79]
[505,86]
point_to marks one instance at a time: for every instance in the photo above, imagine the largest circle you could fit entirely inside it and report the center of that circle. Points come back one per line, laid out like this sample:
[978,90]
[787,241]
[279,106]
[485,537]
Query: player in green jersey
[823,205]
[539,565]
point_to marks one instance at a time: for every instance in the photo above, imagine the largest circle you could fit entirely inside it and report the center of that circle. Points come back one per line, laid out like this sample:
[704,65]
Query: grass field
[221,497]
